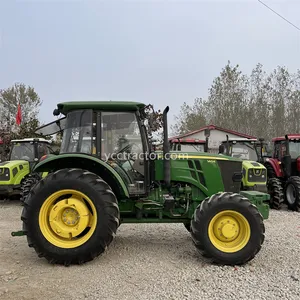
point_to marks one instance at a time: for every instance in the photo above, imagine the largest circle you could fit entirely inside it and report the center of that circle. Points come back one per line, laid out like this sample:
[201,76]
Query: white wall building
[217,135]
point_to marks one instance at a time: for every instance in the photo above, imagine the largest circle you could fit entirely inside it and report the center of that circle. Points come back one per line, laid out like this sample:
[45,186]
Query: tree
[30,103]
[262,105]
[19,94]
[190,117]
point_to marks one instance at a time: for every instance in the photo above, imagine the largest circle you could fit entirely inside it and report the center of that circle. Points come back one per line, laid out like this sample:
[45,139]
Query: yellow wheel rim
[229,231]
[68,219]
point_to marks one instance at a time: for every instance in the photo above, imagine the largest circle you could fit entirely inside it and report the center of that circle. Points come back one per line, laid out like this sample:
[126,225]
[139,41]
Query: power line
[279,15]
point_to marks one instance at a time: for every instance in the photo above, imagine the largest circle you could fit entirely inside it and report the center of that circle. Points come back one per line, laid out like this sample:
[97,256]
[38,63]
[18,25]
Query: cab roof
[187,141]
[239,140]
[66,107]
[290,136]
[28,140]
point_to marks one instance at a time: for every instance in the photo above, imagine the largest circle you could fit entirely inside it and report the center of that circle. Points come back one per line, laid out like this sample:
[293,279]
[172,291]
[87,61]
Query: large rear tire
[275,191]
[70,217]
[292,193]
[227,229]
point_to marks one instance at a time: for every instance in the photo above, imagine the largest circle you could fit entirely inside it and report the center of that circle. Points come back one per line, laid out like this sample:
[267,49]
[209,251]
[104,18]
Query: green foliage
[263,105]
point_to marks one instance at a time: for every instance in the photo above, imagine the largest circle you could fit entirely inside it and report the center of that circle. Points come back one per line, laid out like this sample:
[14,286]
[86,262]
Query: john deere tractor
[284,169]
[72,215]
[24,154]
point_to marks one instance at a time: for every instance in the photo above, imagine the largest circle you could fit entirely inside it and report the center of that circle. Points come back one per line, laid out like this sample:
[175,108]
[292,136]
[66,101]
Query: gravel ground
[152,261]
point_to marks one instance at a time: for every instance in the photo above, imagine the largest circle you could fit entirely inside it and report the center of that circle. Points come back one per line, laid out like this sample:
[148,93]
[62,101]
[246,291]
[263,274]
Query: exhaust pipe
[166,149]
[227,145]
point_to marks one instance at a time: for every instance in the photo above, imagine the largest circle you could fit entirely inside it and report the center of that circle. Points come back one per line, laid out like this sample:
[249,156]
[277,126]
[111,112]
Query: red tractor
[283,170]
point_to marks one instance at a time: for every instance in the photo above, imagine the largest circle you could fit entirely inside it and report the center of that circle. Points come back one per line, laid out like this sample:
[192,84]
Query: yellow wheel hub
[229,231]
[68,218]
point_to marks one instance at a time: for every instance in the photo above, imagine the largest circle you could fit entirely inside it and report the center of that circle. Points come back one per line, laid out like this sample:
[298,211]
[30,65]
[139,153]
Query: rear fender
[276,165]
[85,162]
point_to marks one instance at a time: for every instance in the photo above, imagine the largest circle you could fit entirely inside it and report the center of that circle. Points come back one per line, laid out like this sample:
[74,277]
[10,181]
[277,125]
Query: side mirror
[221,149]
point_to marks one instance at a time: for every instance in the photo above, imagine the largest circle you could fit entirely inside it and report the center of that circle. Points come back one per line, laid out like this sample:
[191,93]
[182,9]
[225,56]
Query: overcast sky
[160,52]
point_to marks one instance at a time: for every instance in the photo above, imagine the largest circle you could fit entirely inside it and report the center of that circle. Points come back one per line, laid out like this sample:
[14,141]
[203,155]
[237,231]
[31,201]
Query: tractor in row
[24,154]
[72,215]
[283,170]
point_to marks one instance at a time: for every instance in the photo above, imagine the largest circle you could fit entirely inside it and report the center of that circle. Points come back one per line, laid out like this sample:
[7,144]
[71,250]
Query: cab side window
[277,151]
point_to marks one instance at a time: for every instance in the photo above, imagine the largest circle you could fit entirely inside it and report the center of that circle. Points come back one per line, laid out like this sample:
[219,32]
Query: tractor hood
[13,163]
[250,164]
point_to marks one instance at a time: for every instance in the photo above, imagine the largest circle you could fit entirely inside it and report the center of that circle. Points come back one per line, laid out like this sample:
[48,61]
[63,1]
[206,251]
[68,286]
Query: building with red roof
[217,135]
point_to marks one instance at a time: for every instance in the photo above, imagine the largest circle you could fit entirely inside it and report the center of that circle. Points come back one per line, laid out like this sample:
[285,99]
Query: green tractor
[72,215]
[24,154]
[254,173]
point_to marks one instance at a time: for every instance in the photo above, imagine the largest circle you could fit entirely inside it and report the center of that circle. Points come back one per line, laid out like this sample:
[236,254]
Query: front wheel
[70,217]
[275,191]
[228,229]
[292,193]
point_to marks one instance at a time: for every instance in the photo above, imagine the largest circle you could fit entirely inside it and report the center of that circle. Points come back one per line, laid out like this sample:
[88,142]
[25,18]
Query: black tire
[103,200]
[215,204]
[292,193]
[270,171]
[28,183]
[275,191]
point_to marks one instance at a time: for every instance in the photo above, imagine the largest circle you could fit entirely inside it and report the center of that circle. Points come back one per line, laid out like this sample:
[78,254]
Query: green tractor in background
[24,154]
[254,173]
[72,215]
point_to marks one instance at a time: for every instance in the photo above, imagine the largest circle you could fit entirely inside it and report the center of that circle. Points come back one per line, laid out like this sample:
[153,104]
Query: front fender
[275,165]
[85,162]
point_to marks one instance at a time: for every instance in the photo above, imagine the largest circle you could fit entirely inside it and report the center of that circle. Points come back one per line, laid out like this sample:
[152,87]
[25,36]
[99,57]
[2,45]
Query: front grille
[4,174]
[229,171]
[257,175]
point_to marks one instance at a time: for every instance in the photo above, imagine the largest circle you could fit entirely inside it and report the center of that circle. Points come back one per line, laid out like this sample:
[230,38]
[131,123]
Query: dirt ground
[152,261]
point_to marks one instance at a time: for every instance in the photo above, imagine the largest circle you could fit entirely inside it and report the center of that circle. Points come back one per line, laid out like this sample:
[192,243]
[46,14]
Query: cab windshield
[22,151]
[78,135]
[243,151]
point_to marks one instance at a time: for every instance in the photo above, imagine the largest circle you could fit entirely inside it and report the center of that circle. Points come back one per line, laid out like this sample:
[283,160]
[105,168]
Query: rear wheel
[70,217]
[275,191]
[292,193]
[228,229]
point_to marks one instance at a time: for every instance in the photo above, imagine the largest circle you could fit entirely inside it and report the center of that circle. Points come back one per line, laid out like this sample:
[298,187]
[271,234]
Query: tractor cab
[187,145]
[254,173]
[263,150]
[29,149]
[115,136]
[286,149]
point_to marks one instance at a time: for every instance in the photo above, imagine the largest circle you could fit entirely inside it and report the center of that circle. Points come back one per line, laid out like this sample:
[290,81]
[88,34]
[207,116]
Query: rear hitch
[18,233]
